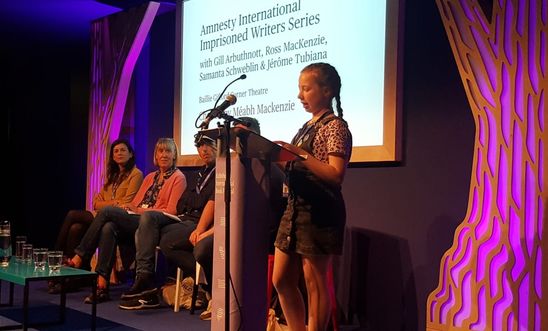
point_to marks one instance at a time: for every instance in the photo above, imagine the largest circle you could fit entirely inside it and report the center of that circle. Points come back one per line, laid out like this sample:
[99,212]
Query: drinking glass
[55,259]
[40,258]
[19,241]
[5,243]
[27,253]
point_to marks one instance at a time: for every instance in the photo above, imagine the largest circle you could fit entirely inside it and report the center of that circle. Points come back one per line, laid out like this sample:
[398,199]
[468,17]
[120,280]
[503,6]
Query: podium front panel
[248,244]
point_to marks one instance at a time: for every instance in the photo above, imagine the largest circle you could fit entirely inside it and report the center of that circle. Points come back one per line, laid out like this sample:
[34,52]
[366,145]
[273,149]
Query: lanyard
[200,184]
[304,131]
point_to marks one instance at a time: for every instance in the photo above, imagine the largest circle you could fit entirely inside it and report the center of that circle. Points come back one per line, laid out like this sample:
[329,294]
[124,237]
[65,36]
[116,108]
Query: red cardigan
[168,196]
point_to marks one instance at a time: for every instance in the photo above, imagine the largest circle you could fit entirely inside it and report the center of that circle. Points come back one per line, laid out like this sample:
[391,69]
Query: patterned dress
[314,220]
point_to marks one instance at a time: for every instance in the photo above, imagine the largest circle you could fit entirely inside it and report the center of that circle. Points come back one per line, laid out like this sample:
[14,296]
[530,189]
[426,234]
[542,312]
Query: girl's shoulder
[335,124]
[333,120]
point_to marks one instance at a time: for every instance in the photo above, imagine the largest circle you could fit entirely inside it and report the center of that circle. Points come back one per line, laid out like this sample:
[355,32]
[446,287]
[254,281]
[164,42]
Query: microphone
[244,76]
[215,112]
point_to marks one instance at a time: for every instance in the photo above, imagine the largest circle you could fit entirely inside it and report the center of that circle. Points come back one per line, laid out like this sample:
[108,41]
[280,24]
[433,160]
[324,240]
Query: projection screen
[270,42]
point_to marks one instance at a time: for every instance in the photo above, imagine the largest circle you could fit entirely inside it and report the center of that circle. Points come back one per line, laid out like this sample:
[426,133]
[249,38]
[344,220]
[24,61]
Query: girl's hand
[294,149]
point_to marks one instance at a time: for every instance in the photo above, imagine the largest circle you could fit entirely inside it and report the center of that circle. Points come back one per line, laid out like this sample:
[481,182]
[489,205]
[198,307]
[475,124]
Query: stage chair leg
[269,284]
[199,279]
[177,291]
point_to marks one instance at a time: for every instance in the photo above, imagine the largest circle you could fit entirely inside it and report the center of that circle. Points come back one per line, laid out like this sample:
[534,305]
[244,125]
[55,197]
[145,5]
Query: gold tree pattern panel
[117,41]
[494,276]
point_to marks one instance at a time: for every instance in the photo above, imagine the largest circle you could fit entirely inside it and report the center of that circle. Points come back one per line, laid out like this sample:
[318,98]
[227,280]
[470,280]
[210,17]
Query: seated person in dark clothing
[183,239]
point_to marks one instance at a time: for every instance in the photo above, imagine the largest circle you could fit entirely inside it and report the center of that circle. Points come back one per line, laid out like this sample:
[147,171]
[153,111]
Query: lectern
[250,168]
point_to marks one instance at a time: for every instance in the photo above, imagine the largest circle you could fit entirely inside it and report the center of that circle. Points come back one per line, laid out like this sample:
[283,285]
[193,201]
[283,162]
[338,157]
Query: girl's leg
[287,270]
[319,305]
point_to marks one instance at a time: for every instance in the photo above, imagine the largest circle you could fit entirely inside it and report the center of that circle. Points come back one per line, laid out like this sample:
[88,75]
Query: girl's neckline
[320,117]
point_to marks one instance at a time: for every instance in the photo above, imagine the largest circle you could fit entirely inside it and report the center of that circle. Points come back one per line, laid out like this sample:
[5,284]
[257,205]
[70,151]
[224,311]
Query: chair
[199,278]
[330,285]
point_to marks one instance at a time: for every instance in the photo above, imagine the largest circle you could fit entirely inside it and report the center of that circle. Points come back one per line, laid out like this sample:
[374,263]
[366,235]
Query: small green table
[23,273]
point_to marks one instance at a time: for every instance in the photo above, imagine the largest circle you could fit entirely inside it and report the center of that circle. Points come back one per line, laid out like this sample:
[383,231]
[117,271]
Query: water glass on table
[5,243]
[19,242]
[55,260]
[40,258]
[27,253]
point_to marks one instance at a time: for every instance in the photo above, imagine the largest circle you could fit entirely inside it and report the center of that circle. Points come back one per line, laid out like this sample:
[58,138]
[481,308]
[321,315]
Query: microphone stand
[226,149]
[228,119]
[227,224]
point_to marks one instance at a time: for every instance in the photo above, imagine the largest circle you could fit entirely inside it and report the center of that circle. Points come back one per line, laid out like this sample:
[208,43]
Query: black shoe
[101,295]
[71,285]
[142,302]
[142,286]
[54,287]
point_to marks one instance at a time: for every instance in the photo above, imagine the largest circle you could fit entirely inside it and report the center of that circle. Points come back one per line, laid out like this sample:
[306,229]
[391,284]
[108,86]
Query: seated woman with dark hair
[123,180]
[159,192]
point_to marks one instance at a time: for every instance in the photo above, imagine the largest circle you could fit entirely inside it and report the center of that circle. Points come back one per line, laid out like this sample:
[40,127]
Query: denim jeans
[111,226]
[153,226]
[203,253]
[177,248]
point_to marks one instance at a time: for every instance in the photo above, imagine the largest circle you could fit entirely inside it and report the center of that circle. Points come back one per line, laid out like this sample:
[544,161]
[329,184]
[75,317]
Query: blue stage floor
[44,307]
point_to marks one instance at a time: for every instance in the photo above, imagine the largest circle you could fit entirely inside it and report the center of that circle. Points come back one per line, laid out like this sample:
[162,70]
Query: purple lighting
[446,306]
[496,269]
[487,248]
[505,98]
[483,223]
[530,134]
[516,167]
[523,303]
[538,273]
[502,192]
[503,303]
[541,113]
[464,311]
[456,272]
[515,242]
[492,143]
[460,242]
[480,324]
[492,277]
[518,81]
[128,66]
[116,43]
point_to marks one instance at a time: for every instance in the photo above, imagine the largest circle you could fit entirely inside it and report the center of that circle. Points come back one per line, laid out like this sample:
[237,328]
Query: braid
[339,108]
